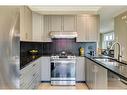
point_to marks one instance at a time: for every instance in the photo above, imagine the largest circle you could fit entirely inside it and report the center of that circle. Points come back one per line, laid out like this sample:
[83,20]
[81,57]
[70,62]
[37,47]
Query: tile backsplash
[70,45]
[57,45]
[26,46]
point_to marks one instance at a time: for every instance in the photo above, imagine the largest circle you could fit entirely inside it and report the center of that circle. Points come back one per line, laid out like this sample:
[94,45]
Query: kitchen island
[98,68]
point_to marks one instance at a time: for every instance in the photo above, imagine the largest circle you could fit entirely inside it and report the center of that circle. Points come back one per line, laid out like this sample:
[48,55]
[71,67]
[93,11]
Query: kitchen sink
[107,61]
[104,59]
[110,62]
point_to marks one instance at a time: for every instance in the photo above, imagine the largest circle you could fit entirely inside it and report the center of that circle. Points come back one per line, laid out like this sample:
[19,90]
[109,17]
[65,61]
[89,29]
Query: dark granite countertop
[25,59]
[119,68]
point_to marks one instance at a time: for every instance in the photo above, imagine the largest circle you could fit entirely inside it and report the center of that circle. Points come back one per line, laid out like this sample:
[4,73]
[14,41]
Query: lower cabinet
[80,69]
[45,69]
[96,75]
[30,75]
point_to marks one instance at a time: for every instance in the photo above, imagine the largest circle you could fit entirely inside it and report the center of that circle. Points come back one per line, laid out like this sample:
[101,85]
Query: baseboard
[50,81]
[80,82]
[45,81]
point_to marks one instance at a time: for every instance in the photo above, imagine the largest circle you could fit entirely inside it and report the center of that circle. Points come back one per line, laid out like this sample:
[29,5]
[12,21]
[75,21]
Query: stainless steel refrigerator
[9,47]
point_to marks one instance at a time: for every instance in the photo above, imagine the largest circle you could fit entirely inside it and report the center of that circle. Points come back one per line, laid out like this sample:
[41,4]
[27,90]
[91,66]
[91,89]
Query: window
[108,39]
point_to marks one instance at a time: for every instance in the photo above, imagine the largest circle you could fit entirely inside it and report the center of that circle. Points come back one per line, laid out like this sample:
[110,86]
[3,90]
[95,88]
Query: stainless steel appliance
[115,82]
[63,34]
[63,69]
[9,47]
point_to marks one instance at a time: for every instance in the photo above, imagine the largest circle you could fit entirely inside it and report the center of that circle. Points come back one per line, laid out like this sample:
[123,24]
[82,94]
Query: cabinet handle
[34,65]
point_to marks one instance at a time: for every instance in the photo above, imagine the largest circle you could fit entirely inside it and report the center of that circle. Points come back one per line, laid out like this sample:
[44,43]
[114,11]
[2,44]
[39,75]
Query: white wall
[120,28]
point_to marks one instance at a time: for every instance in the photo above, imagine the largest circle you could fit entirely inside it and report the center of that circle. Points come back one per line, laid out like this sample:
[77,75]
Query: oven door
[63,70]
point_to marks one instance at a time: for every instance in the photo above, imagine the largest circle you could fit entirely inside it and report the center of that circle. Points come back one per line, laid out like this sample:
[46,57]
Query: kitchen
[64,47]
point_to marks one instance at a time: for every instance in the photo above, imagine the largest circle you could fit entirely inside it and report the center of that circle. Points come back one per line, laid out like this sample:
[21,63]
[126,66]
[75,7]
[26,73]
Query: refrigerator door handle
[14,53]
[13,33]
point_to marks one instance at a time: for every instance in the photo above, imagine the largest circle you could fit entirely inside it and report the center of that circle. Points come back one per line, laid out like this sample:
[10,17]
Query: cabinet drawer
[28,74]
[80,69]
[26,81]
[31,67]
[34,83]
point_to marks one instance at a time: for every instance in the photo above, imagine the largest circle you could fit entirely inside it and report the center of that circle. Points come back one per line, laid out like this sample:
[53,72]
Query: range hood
[63,34]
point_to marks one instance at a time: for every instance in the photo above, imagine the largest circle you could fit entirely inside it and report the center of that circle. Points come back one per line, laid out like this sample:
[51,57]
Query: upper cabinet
[64,23]
[92,28]
[58,23]
[69,23]
[87,28]
[41,28]
[46,29]
[37,27]
[55,23]
[81,28]
[25,24]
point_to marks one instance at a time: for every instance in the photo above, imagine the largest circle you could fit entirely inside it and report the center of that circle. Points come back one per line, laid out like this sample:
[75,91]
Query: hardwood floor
[78,86]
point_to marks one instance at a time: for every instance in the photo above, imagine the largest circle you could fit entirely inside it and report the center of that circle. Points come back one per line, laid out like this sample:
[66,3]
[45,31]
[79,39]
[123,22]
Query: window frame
[107,40]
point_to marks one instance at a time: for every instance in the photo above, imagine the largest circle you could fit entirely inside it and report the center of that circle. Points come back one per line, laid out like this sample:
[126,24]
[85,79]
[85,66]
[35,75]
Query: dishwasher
[115,82]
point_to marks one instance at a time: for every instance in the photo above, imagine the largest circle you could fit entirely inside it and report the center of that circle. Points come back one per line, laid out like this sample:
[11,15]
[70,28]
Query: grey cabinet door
[96,75]
[80,69]
[81,29]
[37,27]
[92,28]
[100,77]
[45,69]
[88,72]
[87,28]
[25,24]
[69,23]
[29,74]
[46,29]
[56,23]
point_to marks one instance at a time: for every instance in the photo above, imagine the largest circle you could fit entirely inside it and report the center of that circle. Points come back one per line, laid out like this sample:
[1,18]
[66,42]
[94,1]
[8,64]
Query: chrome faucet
[119,51]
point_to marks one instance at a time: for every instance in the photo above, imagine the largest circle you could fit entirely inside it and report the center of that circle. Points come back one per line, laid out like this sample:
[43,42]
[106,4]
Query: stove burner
[63,54]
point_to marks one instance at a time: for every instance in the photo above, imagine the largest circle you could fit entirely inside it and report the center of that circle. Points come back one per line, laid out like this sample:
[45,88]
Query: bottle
[81,51]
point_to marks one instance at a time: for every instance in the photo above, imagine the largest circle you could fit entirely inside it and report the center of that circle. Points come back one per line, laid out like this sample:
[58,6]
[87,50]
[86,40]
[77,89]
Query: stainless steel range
[63,69]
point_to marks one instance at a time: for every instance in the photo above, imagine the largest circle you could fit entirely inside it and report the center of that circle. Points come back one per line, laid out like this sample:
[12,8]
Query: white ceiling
[106,13]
